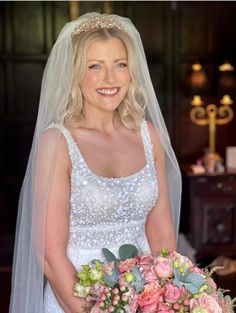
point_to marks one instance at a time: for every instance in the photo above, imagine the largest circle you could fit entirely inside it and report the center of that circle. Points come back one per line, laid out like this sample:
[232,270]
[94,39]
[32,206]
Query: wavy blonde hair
[132,108]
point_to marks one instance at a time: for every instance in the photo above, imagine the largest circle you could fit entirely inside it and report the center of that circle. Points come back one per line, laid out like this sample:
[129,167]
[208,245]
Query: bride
[99,175]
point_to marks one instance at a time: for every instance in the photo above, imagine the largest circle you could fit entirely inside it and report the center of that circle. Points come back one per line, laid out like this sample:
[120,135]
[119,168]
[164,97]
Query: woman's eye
[94,66]
[122,64]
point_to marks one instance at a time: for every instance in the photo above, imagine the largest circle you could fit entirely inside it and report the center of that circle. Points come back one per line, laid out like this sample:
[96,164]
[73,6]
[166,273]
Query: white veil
[28,266]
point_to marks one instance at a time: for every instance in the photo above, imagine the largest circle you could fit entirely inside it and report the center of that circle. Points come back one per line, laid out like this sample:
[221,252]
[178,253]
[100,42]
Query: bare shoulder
[53,136]
[52,141]
[157,146]
[153,133]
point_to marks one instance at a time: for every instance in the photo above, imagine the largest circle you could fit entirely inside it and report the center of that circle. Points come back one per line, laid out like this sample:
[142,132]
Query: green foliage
[138,281]
[191,281]
[111,280]
[109,256]
[127,251]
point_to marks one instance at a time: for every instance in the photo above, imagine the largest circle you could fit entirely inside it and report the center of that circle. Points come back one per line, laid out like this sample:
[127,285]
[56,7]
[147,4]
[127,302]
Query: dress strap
[69,139]
[147,142]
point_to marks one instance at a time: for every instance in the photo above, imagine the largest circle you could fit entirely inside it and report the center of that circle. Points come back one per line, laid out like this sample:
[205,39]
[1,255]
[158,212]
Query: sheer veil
[28,265]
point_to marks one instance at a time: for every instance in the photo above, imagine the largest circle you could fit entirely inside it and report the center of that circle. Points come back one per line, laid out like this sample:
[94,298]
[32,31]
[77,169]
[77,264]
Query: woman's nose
[109,75]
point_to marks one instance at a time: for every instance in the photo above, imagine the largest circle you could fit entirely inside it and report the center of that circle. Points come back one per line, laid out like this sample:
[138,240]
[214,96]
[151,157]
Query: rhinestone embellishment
[98,22]
[105,210]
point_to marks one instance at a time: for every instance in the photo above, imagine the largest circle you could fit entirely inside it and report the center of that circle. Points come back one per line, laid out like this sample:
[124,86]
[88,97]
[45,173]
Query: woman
[99,175]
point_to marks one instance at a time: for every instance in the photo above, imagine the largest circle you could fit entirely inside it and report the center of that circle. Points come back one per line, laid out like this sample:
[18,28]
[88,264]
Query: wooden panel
[91,6]
[2,89]
[19,140]
[157,72]
[28,27]
[218,221]
[212,216]
[224,26]
[27,81]
[149,20]
[61,13]
[1,27]
[3,155]
[193,27]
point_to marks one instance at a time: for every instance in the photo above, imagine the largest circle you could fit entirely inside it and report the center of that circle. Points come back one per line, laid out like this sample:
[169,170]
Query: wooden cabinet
[210,206]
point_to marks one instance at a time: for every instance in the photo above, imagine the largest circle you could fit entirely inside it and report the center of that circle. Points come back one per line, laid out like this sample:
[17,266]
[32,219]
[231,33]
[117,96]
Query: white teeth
[106,91]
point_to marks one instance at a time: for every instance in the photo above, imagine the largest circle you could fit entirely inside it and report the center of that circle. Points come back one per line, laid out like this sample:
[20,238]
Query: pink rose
[172,293]
[149,298]
[127,265]
[162,267]
[207,302]
[145,260]
[149,275]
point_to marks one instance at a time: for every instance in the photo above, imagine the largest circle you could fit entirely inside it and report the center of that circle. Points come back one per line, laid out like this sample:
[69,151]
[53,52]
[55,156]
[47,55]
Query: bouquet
[135,283]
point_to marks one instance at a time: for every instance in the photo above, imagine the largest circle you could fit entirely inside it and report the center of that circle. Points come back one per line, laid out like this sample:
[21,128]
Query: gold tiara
[98,22]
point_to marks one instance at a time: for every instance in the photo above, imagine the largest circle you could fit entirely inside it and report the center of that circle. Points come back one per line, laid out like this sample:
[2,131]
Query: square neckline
[91,172]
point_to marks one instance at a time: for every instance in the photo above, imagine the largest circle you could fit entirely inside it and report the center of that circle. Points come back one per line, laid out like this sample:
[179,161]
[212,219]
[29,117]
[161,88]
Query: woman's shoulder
[152,129]
[155,139]
[53,133]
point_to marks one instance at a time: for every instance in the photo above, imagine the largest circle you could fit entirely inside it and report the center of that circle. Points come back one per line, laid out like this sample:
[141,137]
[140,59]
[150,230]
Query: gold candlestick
[211,115]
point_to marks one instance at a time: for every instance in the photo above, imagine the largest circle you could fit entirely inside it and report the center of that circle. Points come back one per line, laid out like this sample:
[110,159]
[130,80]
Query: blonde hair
[132,108]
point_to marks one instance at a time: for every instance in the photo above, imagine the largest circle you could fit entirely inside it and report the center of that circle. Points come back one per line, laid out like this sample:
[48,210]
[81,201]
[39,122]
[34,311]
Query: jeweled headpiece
[97,22]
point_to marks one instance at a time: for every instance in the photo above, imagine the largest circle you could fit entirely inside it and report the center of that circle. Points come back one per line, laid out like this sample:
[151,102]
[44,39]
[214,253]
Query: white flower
[81,291]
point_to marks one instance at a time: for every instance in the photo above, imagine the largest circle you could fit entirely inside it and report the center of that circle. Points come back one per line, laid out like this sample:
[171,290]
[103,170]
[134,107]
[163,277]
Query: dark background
[174,34]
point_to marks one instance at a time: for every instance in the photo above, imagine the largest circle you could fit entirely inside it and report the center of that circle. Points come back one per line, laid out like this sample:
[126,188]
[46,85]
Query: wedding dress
[106,212]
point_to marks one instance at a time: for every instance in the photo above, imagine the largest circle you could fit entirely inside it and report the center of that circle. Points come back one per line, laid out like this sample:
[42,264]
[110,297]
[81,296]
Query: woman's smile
[108,92]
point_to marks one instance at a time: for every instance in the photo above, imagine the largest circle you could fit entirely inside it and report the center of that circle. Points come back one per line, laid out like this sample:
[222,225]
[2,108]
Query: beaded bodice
[104,210]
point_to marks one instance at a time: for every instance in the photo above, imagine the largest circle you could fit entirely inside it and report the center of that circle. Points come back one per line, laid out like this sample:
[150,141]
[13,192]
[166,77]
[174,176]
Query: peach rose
[162,267]
[127,265]
[149,298]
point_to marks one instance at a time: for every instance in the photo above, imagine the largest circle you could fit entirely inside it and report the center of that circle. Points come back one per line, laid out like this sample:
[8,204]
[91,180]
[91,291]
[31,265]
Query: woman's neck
[102,121]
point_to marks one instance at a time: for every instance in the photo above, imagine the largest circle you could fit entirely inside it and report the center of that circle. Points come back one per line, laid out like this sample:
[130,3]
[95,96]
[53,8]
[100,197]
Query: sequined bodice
[104,210]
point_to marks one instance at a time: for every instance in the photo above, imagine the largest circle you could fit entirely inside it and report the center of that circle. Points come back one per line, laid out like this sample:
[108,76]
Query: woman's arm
[59,271]
[159,227]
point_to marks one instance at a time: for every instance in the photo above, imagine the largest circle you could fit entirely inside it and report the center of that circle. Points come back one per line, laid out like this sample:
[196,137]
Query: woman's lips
[108,91]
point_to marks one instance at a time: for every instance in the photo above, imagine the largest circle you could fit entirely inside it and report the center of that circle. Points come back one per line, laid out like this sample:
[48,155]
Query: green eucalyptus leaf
[111,280]
[127,251]
[190,280]
[138,281]
[109,256]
